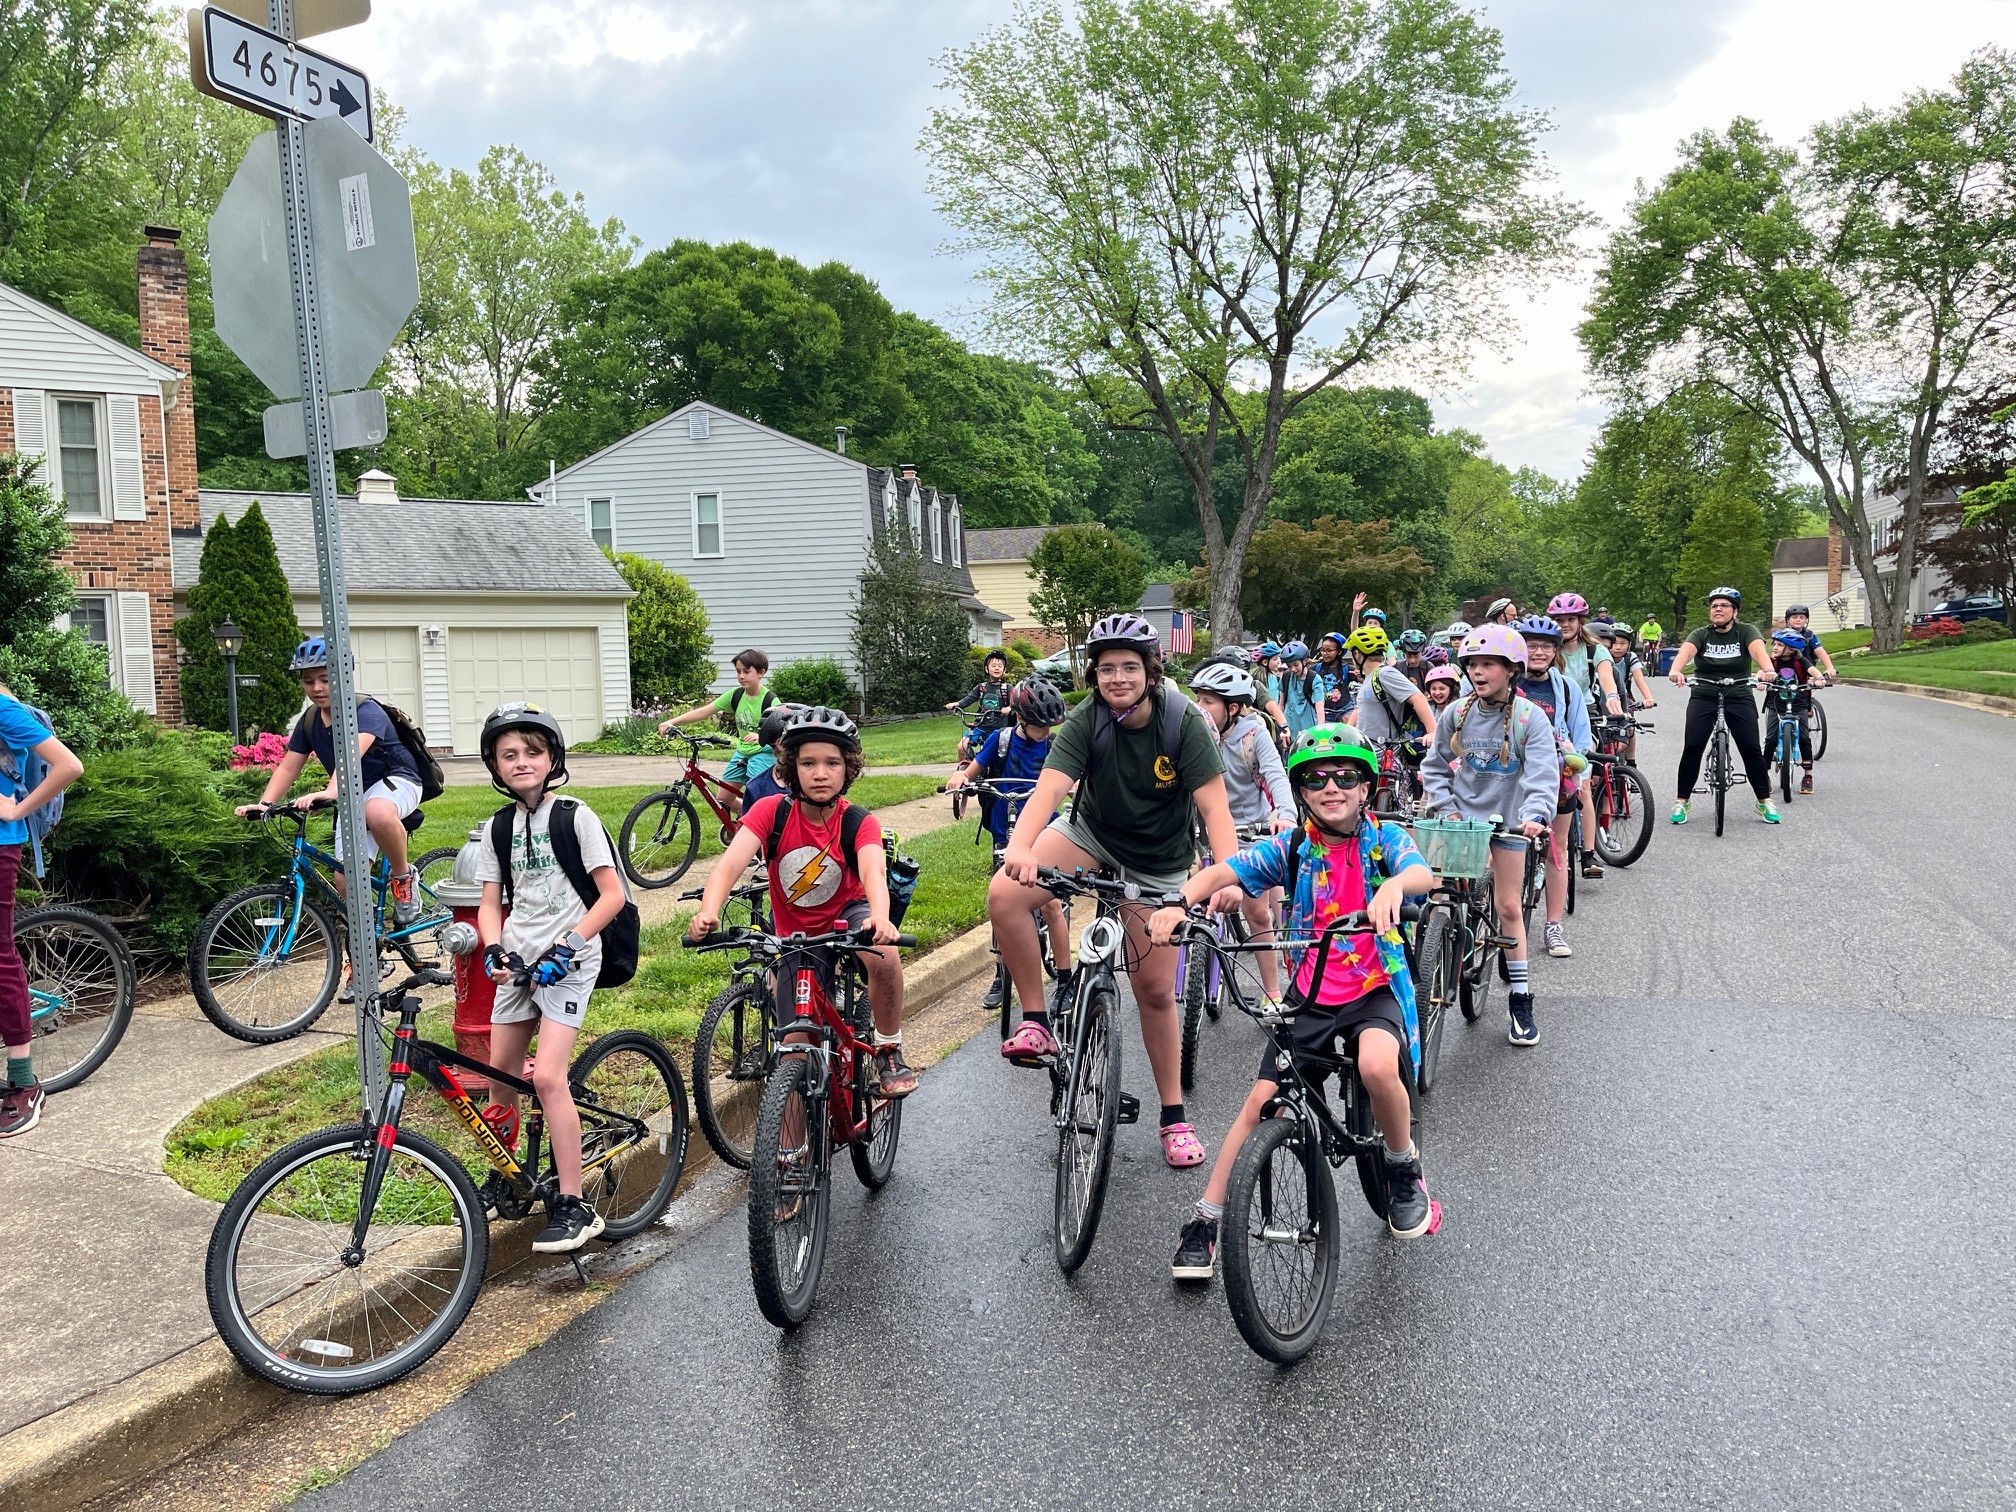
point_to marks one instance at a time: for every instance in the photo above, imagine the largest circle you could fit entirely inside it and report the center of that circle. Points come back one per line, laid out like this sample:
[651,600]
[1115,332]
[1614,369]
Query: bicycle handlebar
[698,741]
[1087,884]
[859,941]
[290,810]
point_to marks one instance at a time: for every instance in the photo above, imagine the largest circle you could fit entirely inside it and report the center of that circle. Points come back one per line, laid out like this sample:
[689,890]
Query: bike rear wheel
[1433,975]
[1085,1126]
[285,1301]
[875,1152]
[1280,1241]
[81,990]
[634,1129]
[790,1192]
[734,1053]
[1819,732]
[660,838]
[435,867]
[1196,984]
[1624,815]
[265,966]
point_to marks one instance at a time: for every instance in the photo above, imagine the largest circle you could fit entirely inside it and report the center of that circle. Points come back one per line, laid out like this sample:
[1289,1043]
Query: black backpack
[900,872]
[619,935]
[433,782]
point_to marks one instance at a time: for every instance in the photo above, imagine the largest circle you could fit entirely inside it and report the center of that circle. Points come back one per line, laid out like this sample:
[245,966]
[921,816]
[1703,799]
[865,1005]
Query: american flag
[1179,633]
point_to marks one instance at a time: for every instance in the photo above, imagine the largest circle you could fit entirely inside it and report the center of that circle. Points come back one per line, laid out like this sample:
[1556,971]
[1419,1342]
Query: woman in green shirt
[1142,766]
[1726,649]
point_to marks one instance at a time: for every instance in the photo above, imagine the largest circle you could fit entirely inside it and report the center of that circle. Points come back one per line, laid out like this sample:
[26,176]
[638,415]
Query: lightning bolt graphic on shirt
[809,877]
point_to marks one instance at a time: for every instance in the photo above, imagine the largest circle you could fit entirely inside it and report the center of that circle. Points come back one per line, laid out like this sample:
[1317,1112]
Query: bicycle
[817,1097]
[1199,981]
[1086,1103]
[1398,787]
[1787,736]
[1279,1233]
[1622,796]
[345,1260]
[736,1042]
[1004,984]
[661,833]
[1818,734]
[1721,771]
[267,961]
[81,990]
[1467,945]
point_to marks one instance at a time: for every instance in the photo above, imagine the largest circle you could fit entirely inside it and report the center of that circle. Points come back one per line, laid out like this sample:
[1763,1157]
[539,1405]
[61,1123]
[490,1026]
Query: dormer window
[958,544]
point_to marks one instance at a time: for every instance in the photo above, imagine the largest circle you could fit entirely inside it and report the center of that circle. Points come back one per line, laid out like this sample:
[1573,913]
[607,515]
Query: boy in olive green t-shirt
[744,708]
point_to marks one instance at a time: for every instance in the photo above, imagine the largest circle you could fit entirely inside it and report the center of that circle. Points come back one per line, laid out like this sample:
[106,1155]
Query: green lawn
[1989,667]
[1838,641]
[212,1149]
[913,742]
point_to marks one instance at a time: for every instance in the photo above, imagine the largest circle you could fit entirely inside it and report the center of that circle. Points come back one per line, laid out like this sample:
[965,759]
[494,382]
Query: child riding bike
[1389,705]
[1443,686]
[1256,786]
[1560,699]
[742,709]
[1340,862]
[988,699]
[1791,652]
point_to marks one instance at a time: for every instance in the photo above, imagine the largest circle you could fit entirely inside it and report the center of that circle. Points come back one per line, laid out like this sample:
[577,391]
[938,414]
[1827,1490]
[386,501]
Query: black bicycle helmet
[523,716]
[1128,630]
[1799,609]
[818,723]
[1036,702]
[772,724]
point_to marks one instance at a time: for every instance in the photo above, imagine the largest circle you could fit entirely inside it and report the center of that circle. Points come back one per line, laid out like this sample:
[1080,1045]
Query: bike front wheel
[790,1192]
[634,1129]
[1196,984]
[283,1293]
[734,1053]
[1280,1241]
[1624,816]
[1085,1126]
[1434,962]
[1719,776]
[264,965]
[659,839]
[81,990]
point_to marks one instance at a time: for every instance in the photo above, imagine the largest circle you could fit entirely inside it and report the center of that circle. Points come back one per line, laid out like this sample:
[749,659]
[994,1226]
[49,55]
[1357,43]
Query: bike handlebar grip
[436,978]
[906,942]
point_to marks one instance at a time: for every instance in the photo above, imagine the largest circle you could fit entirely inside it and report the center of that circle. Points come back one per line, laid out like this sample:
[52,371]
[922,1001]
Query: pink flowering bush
[266,751]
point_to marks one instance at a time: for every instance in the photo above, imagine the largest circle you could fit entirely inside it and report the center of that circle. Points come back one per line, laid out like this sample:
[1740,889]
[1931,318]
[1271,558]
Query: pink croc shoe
[1181,1146]
[1028,1045]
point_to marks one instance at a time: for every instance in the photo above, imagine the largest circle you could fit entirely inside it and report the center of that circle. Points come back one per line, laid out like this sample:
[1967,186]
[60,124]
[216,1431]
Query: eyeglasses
[1315,782]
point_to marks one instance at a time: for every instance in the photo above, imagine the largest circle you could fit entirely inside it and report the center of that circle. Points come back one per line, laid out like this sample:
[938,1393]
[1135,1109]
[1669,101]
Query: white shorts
[403,793]
[565,1002]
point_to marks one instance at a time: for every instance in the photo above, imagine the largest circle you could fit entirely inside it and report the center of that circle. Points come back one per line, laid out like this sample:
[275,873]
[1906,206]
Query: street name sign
[247,65]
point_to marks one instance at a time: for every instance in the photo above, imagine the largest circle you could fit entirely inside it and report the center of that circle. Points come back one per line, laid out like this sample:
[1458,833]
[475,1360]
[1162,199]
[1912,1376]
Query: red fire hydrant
[475,993]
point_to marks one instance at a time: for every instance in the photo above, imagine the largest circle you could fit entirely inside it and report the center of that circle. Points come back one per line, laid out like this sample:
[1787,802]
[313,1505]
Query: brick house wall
[6,420]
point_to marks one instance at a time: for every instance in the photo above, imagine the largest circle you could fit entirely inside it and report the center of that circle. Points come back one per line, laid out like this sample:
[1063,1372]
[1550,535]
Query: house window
[602,523]
[706,524]
[958,546]
[80,463]
[888,511]
[697,425]
[916,523]
[937,533]
[92,614]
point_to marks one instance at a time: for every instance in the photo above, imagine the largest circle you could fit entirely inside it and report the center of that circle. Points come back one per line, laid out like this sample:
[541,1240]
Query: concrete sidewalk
[108,1254]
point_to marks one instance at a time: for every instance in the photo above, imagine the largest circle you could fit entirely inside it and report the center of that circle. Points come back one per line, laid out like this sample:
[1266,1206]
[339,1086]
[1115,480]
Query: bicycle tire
[786,1276]
[1249,1254]
[1630,798]
[663,816]
[1718,765]
[740,1012]
[1431,988]
[435,867]
[1474,991]
[260,1194]
[1361,1124]
[1572,858]
[874,1154]
[631,1191]
[1819,729]
[93,977]
[209,962]
[1091,1112]
[1196,987]
[1785,738]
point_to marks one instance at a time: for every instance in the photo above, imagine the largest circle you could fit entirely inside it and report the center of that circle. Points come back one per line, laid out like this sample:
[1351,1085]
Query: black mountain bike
[1722,772]
[735,1047]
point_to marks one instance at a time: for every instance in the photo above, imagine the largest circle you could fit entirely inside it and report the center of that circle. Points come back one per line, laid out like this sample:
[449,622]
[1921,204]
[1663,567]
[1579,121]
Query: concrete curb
[1990,702]
[111,1439]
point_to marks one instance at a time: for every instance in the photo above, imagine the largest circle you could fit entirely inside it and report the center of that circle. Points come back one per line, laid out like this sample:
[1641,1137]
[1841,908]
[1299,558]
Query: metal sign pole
[359,901]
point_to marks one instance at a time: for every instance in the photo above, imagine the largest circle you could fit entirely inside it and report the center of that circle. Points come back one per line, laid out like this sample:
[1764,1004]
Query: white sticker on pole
[355,194]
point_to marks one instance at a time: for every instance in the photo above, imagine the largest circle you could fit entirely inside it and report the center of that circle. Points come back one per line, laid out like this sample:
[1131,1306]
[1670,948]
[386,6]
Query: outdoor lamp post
[230,641]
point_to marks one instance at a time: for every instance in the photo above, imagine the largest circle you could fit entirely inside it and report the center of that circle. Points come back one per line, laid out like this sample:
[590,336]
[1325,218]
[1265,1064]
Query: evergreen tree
[909,639]
[240,579]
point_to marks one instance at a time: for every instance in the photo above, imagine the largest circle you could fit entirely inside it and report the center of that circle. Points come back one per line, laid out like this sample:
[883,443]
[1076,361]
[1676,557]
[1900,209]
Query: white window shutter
[129,479]
[31,428]
[136,651]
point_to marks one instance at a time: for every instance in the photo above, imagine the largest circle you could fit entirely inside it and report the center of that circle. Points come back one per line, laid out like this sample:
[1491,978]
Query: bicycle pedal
[1130,1108]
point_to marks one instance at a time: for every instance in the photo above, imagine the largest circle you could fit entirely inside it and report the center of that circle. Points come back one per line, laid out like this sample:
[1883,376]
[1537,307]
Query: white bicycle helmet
[1233,684]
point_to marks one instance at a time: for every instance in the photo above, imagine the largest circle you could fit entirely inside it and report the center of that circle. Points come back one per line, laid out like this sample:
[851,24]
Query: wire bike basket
[1455,847]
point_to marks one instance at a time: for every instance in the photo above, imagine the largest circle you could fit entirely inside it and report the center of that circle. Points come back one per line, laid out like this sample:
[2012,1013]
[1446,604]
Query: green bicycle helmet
[1333,742]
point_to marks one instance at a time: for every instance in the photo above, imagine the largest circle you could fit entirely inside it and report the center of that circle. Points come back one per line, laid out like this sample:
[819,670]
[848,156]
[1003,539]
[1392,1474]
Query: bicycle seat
[412,822]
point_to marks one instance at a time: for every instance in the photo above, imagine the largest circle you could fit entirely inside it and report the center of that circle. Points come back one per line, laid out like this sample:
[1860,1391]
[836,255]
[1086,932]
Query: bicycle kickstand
[575,1257]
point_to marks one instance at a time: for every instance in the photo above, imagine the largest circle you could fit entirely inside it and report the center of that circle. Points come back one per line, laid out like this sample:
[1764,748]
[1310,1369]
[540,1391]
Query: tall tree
[1181,202]
[1082,572]
[239,578]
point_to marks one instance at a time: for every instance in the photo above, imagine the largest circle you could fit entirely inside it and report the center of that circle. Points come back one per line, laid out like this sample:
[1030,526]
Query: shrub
[669,640]
[265,752]
[976,662]
[821,680]
[636,736]
[240,580]
[1027,649]
[1975,632]
[910,639]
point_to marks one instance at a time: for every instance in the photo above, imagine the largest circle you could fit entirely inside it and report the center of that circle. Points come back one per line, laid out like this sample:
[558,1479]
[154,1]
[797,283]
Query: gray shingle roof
[1799,553]
[1157,596]
[1014,543]
[423,546]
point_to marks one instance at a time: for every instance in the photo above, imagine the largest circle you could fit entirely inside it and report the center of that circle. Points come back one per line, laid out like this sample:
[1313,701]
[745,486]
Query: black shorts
[853,916]
[1315,1031]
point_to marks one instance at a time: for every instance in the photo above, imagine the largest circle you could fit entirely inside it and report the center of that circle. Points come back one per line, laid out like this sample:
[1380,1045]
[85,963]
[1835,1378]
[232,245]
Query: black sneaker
[1523,1030]
[1197,1250]
[995,992]
[1592,869]
[1407,1210]
[570,1224]
[494,1194]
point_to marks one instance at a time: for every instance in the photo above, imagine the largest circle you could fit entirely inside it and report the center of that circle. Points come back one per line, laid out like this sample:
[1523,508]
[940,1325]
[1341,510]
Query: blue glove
[553,967]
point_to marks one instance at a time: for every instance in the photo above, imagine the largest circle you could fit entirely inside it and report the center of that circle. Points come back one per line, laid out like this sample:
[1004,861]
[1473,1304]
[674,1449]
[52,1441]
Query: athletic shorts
[1153,884]
[565,1002]
[853,916]
[1314,1031]
[403,793]
[741,768]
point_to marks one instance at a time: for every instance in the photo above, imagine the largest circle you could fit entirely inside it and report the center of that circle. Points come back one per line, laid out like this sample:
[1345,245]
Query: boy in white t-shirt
[546,954]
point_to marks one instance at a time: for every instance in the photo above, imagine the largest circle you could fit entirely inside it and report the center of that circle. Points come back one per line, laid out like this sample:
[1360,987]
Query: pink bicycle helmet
[1568,603]
[1443,673]
[1493,640]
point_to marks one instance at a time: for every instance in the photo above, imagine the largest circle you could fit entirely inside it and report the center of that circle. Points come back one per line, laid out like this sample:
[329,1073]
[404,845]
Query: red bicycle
[661,835]
[1622,795]
[817,1098]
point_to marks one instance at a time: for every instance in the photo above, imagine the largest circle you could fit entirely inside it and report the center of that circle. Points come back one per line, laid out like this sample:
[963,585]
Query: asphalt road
[1737,1233]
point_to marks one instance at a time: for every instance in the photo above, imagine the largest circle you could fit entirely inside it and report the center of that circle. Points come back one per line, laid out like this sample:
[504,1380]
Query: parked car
[1977,606]
[1056,667]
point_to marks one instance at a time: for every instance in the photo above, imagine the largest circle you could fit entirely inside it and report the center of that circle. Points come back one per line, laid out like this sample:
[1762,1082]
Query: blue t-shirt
[20,733]
[387,755]
[762,784]
[1020,765]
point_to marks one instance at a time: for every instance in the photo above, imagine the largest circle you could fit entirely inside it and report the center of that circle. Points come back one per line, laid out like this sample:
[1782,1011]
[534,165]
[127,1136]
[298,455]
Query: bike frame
[712,790]
[306,863]
[834,1037]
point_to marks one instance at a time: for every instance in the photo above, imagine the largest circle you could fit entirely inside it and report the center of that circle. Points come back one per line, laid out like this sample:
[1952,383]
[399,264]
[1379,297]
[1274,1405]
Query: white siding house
[772,531]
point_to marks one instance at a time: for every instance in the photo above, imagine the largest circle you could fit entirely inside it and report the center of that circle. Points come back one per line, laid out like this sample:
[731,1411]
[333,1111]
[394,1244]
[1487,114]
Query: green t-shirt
[1136,802]
[748,712]
[1723,653]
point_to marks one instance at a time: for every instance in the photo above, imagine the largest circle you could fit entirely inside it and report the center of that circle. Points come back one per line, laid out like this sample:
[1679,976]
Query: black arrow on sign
[345,102]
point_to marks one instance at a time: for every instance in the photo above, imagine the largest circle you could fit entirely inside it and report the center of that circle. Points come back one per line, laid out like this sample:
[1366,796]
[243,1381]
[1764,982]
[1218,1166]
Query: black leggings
[1742,717]
[1802,716]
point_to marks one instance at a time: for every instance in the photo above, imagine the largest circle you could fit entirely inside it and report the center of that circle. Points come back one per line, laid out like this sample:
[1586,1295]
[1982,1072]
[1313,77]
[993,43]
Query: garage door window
[706,524]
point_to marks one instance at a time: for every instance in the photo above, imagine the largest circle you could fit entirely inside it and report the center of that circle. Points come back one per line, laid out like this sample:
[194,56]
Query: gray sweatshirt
[1256,784]
[1523,783]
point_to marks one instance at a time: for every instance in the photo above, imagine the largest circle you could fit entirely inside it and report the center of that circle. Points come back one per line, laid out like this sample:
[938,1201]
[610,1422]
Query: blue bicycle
[267,961]
[1790,736]
[81,990]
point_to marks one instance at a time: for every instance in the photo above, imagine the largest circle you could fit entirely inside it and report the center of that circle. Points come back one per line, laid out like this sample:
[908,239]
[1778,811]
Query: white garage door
[560,670]
[388,665]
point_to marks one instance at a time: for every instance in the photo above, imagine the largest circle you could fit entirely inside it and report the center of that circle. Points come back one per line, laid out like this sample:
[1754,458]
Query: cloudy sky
[793,123]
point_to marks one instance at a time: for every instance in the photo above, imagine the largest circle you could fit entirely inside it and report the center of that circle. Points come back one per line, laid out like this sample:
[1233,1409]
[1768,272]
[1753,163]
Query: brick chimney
[164,336]
[1836,544]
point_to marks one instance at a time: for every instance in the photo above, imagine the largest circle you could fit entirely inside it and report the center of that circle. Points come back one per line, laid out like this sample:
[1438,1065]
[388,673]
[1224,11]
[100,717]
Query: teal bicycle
[267,962]
[81,990]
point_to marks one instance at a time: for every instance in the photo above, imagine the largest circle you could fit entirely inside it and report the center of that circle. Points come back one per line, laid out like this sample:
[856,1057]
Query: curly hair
[787,766]
[1151,667]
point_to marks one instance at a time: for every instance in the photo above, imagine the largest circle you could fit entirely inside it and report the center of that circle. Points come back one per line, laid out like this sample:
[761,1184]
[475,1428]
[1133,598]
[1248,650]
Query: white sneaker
[1557,942]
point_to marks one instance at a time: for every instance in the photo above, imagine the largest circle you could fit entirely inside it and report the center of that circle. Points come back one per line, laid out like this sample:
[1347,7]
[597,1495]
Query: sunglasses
[1315,782]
